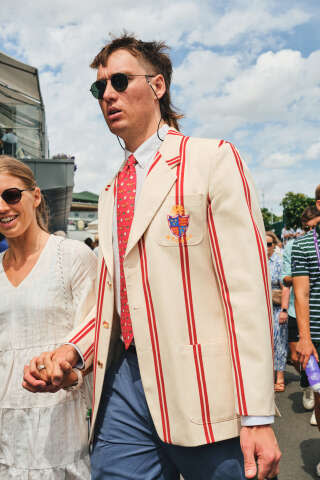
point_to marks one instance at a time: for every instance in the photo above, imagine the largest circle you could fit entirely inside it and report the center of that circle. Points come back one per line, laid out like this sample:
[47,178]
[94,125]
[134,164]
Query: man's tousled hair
[153,53]
[309,213]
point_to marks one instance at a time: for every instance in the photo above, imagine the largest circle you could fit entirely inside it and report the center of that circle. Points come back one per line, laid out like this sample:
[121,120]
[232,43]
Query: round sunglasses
[13,195]
[119,82]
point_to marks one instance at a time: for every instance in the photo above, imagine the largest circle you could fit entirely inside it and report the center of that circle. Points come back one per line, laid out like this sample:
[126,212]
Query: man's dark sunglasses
[119,82]
[13,195]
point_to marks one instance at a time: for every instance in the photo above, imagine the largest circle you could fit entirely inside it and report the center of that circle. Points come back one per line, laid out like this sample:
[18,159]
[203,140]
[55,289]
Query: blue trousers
[127,447]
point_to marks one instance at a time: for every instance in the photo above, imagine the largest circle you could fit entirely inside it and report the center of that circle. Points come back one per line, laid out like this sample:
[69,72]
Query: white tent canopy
[20,77]
[21,106]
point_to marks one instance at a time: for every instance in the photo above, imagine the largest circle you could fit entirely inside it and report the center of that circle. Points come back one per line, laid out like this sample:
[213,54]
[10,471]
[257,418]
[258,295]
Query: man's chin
[116,129]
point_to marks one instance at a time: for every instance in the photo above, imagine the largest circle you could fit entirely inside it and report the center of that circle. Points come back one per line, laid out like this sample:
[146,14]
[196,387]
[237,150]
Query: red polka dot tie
[126,193]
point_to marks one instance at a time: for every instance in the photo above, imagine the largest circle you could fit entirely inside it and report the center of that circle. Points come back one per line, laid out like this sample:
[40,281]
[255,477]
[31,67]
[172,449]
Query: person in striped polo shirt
[305,263]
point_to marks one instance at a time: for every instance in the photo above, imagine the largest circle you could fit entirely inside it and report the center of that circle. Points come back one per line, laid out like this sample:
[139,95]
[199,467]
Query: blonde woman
[44,281]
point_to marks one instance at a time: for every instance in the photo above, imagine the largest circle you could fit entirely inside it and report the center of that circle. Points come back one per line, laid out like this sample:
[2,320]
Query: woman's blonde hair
[274,237]
[12,166]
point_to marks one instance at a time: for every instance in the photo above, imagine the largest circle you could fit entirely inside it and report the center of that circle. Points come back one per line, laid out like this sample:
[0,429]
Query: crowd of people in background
[294,266]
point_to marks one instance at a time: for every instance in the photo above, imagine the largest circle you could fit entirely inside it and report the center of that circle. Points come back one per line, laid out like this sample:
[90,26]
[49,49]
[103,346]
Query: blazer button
[109,284]
[100,364]
[106,324]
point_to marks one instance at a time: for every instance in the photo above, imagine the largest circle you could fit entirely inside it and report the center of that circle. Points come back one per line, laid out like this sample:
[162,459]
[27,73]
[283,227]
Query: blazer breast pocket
[175,222]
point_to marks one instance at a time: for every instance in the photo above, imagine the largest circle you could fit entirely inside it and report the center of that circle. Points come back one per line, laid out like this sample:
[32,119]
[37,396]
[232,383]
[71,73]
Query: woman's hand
[51,370]
[283,317]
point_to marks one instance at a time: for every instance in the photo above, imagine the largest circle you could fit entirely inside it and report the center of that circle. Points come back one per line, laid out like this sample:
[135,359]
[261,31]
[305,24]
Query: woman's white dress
[44,436]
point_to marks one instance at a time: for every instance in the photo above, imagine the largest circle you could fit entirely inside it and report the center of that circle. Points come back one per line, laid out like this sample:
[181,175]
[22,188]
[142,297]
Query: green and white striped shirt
[304,262]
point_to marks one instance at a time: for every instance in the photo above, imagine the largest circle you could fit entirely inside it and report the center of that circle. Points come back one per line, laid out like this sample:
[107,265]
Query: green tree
[267,218]
[293,205]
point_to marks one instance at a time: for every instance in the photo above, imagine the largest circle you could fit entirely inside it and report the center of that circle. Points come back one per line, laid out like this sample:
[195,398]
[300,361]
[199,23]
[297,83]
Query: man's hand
[56,374]
[305,348]
[259,444]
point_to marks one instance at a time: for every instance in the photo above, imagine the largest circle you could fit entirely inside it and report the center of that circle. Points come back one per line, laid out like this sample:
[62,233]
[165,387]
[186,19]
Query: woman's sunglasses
[119,82]
[13,195]
[269,244]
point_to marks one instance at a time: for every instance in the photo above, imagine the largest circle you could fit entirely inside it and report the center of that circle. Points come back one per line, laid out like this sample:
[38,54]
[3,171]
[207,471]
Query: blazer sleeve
[83,285]
[237,240]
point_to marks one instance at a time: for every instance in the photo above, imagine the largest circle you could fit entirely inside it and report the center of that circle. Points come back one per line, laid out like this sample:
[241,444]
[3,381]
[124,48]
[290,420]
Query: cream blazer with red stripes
[199,303]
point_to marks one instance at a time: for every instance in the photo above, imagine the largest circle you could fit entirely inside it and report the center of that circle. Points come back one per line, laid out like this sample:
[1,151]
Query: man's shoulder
[303,240]
[303,244]
[212,142]
[211,148]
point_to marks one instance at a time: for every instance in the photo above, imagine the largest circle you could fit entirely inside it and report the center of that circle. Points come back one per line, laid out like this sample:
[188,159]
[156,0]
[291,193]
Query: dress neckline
[32,271]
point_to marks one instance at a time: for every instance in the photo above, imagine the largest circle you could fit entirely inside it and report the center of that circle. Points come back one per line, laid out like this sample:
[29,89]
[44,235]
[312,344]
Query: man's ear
[158,85]
[318,205]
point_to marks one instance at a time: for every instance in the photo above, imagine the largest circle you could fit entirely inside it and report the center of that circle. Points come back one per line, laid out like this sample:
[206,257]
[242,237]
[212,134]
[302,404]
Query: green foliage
[269,218]
[293,205]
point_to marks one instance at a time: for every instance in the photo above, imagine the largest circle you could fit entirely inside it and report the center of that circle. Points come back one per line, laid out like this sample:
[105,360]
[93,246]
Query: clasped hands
[55,370]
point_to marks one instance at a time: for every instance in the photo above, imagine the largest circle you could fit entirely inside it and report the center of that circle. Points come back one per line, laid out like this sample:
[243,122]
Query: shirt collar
[147,150]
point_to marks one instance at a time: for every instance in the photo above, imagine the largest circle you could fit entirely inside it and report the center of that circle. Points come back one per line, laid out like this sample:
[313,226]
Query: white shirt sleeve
[252,421]
[80,363]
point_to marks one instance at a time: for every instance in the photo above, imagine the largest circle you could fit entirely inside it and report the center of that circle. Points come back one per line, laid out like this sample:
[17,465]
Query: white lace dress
[44,436]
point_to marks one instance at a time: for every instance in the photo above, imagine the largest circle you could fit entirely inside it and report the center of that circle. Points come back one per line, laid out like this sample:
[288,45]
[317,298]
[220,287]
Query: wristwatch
[284,310]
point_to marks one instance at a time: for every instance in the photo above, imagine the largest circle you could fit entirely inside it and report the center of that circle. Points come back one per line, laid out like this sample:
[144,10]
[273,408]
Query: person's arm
[301,286]
[304,347]
[286,265]
[285,295]
[60,362]
[242,273]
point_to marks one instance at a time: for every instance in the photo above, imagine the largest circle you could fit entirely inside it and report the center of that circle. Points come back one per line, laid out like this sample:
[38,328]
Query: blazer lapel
[106,206]
[155,188]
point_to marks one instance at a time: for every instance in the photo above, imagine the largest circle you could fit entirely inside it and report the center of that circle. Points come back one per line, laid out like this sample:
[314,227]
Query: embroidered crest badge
[179,221]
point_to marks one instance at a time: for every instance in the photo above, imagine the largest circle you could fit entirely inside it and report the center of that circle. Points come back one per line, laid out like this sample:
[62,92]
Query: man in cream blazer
[199,371]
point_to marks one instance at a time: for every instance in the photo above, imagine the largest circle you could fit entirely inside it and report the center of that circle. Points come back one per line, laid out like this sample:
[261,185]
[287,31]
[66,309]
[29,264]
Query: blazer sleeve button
[106,324]
[100,364]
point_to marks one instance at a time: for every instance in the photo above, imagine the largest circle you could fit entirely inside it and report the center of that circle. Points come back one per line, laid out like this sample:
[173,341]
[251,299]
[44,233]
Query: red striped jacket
[198,291]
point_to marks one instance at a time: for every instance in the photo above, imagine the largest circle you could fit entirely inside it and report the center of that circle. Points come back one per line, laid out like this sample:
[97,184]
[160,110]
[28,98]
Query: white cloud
[254,19]
[267,102]
[313,152]
[204,71]
[279,160]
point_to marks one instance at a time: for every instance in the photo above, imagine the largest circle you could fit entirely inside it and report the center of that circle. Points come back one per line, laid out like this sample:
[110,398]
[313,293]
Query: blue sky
[248,72]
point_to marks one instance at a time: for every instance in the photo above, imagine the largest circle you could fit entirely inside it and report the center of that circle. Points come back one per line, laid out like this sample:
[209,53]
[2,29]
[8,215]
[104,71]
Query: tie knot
[131,161]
